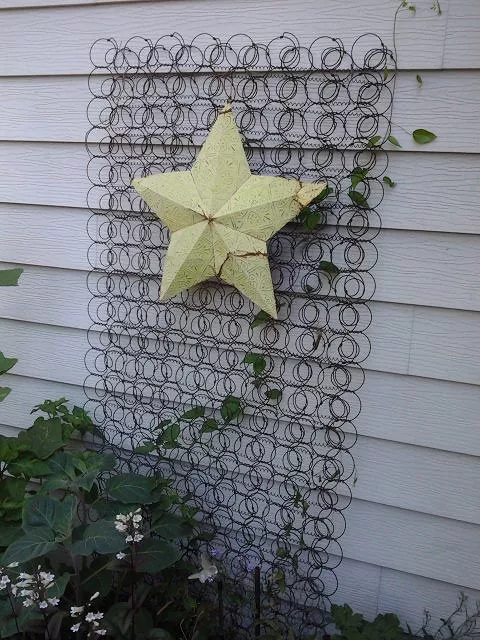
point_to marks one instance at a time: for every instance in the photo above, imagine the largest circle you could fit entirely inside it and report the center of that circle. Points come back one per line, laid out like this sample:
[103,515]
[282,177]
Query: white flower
[76,611]
[43,604]
[95,596]
[101,632]
[75,627]
[28,603]
[120,555]
[92,617]
[137,537]
[4,582]
[12,565]
[53,601]
[207,572]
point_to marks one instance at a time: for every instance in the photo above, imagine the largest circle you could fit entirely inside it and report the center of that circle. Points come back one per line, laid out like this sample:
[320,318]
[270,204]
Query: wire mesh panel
[272,481]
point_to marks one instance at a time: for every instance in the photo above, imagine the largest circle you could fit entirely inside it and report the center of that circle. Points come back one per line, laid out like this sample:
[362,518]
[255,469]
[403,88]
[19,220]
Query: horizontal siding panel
[440,194]
[462,37]
[431,269]
[441,105]
[421,411]
[387,473]
[427,545]
[54,50]
[412,542]
[409,596]
[405,339]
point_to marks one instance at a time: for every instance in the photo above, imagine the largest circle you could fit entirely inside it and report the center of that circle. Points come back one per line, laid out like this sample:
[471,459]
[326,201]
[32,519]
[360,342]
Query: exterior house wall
[413,529]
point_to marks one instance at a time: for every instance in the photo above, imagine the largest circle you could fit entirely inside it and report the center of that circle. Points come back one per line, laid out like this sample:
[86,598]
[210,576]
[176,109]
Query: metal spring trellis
[273,486]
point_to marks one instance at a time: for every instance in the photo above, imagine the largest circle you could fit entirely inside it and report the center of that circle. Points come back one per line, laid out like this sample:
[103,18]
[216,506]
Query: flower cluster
[131,524]
[34,587]
[4,578]
[88,618]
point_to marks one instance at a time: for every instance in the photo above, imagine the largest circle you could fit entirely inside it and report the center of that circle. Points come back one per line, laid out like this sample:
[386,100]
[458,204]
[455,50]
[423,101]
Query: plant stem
[47,632]
[13,609]
[132,577]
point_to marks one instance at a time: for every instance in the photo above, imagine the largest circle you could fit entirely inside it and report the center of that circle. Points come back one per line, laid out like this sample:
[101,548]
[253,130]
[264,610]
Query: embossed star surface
[220,216]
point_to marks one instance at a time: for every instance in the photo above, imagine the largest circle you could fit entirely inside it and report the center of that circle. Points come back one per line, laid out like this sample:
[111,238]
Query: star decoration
[220,216]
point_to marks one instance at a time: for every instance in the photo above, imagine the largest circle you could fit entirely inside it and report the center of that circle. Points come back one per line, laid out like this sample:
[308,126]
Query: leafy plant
[8,278]
[353,626]
[79,535]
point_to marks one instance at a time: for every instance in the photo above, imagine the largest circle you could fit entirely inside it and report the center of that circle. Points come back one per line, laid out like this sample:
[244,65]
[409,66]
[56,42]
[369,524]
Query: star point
[220,216]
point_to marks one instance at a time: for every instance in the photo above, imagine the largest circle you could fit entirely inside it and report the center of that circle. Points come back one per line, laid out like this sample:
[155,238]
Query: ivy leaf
[274,394]
[423,136]
[257,361]
[373,141]
[419,79]
[311,219]
[194,413]
[394,141]
[6,363]
[169,436]
[261,318]
[162,424]
[389,181]
[329,267]
[358,198]
[145,447]
[231,409]
[9,277]
[130,488]
[358,175]
[4,391]
[209,426]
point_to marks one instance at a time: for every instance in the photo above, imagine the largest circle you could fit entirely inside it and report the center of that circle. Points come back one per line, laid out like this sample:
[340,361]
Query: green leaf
[35,543]
[419,79]
[358,175]
[171,526]
[47,512]
[98,577]
[261,318]
[329,267]
[209,425]
[4,391]
[274,394]
[9,277]
[9,532]
[394,141]
[99,537]
[422,136]
[161,424]
[160,634]
[231,409]
[6,363]
[145,447]
[358,198]
[9,448]
[385,73]
[155,555]
[43,438]
[193,413]
[311,219]
[374,141]
[130,487]
[388,181]
[30,467]
[257,361]
[169,436]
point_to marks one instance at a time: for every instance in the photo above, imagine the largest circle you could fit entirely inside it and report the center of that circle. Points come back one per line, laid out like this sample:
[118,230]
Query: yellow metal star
[220,216]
